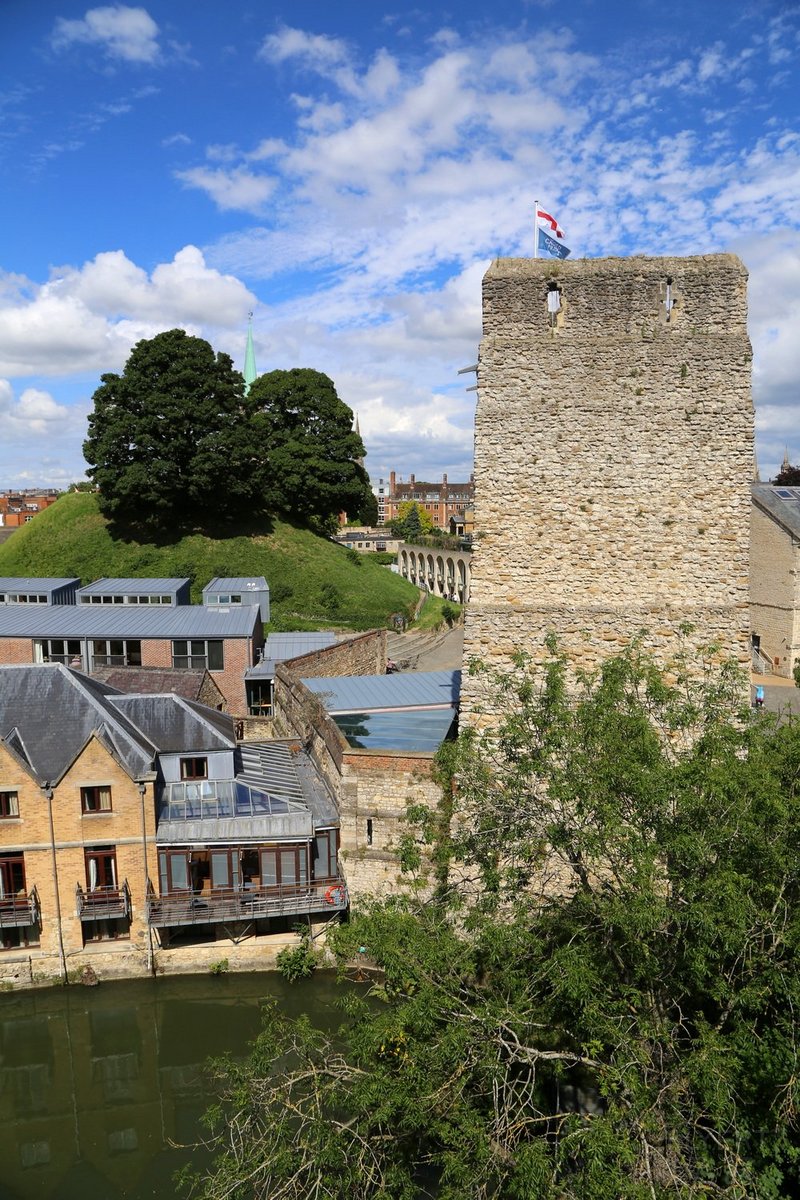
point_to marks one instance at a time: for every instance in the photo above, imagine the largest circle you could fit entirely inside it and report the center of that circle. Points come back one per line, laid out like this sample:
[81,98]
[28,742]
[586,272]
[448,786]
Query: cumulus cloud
[88,318]
[121,32]
[237,189]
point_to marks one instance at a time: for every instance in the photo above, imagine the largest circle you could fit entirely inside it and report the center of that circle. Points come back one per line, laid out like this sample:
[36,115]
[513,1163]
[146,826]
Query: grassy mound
[313,582]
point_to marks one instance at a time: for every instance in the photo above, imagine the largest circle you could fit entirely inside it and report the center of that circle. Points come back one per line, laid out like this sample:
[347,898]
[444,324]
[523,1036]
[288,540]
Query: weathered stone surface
[626,442]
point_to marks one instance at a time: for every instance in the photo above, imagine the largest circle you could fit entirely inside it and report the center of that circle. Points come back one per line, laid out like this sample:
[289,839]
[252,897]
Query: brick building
[442,500]
[20,506]
[132,822]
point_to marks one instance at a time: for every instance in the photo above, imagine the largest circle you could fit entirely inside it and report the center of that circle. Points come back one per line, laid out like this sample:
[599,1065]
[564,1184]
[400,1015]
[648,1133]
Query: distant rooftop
[377,693]
[237,583]
[281,647]
[133,586]
[126,621]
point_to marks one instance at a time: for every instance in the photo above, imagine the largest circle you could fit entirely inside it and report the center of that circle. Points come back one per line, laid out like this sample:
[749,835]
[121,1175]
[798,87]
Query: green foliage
[599,999]
[411,522]
[298,962]
[386,558]
[309,449]
[353,556]
[436,612]
[165,433]
[796,672]
[71,537]
[220,968]
[788,476]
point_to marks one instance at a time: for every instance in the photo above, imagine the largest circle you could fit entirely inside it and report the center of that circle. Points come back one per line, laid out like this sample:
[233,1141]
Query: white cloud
[127,33]
[88,318]
[314,50]
[237,189]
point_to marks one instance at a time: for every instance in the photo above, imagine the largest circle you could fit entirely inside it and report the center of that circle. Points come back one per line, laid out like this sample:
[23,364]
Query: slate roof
[174,725]
[48,712]
[375,693]
[127,621]
[184,681]
[55,711]
[782,503]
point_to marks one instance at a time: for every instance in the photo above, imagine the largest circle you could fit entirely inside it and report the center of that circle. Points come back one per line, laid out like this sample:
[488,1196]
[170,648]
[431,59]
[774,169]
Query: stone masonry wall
[364,654]
[623,428]
[775,590]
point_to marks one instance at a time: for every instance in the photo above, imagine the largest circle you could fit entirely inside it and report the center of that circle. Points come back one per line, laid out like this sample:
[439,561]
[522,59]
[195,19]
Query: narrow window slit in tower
[553,303]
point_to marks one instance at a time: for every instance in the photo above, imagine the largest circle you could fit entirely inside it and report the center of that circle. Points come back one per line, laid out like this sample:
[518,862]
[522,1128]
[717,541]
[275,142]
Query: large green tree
[169,441]
[310,451]
[595,993]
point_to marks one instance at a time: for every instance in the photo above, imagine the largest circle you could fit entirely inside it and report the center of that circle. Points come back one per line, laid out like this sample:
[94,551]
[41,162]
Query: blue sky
[347,172]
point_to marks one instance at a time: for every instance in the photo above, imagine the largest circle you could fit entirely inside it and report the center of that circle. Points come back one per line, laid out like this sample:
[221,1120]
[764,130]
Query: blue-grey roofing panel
[127,621]
[26,583]
[281,647]
[133,587]
[411,729]
[237,583]
[371,693]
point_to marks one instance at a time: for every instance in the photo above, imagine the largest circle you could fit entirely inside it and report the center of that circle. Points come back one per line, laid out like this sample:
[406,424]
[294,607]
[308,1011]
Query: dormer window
[194,768]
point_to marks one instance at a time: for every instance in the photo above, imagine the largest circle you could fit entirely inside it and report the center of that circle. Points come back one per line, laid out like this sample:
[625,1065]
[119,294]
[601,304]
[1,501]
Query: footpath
[432,650]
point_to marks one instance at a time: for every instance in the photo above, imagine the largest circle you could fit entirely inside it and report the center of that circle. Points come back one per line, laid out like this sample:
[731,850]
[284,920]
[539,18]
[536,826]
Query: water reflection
[95,1084]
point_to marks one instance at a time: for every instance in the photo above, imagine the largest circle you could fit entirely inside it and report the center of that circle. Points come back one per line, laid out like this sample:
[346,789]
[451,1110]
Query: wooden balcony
[226,905]
[17,912]
[103,903]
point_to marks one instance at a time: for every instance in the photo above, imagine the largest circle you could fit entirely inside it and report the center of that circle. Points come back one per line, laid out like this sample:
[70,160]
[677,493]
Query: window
[114,653]
[198,654]
[96,799]
[101,868]
[194,768]
[61,650]
[9,804]
[284,866]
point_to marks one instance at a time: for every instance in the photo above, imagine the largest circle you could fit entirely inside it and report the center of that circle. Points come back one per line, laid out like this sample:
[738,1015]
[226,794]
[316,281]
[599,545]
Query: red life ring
[335,894]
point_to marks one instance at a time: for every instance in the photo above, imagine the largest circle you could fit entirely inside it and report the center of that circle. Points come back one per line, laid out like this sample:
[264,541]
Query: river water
[102,1089]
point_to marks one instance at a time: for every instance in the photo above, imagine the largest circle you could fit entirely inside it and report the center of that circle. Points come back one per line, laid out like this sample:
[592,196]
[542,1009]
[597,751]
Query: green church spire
[249,358]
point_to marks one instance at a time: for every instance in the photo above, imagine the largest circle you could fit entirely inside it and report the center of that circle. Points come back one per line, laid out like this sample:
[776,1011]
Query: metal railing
[222,905]
[762,665]
[97,904]
[19,911]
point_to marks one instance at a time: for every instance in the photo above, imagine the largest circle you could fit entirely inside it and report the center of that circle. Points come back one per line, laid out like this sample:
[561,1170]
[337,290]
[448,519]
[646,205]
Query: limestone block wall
[775,590]
[364,654]
[623,428]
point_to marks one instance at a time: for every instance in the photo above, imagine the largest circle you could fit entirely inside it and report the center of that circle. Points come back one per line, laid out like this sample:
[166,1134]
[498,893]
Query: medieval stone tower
[613,459]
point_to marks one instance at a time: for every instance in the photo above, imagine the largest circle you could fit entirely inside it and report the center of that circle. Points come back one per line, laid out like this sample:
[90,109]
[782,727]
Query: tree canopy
[310,450]
[788,476]
[590,987]
[411,522]
[169,440]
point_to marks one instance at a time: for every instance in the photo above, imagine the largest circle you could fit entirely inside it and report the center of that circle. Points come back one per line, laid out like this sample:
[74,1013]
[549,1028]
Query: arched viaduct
[442,572]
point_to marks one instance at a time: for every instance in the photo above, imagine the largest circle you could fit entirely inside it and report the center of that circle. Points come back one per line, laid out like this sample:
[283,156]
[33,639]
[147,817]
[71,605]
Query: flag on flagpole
[541,215]
[549,245]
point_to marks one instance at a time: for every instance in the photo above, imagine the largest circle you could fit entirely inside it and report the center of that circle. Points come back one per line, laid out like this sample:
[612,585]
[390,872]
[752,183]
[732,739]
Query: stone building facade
[614,405]
[775,577]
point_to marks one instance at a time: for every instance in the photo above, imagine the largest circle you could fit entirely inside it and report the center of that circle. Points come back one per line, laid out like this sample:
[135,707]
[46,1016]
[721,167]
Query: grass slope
[314,583]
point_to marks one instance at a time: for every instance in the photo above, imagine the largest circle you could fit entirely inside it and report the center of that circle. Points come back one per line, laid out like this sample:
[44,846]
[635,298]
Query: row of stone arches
[444,573]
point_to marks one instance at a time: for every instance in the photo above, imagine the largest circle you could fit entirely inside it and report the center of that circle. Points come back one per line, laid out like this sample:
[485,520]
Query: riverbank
[126,960]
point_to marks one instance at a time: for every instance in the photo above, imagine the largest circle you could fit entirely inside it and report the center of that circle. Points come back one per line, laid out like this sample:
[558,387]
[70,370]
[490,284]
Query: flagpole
[536,229]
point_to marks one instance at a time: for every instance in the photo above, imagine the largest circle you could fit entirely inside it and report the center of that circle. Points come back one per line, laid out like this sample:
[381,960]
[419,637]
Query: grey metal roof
[55,710]
[285,774]
[373,693]
[175,725]
[123,621]
[134,586]
[27,583]
[281,647]
[782,503]
[237,583]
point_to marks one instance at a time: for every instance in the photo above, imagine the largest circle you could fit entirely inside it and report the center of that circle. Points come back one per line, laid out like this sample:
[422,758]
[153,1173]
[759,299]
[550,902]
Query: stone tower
[613,459]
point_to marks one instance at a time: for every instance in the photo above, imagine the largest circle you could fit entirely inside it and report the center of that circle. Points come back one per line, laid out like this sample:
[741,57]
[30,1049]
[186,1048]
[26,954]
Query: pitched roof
[124,621]
[183,681]
[374,693]
[48,712]
[782,503]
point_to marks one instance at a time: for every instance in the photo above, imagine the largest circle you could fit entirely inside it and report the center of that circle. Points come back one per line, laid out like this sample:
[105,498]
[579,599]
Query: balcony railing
[20,911]
[222,905]
[101,903]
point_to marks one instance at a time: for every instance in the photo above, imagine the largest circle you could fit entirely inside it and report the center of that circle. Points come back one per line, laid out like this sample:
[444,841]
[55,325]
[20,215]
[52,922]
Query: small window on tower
[553,304]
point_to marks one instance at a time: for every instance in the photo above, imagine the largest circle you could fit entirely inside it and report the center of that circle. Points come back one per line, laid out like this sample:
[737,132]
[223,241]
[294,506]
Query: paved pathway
[780,695]
[440,650]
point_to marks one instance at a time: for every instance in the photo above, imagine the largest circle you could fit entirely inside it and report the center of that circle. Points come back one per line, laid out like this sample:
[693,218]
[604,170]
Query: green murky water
[102,1089]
